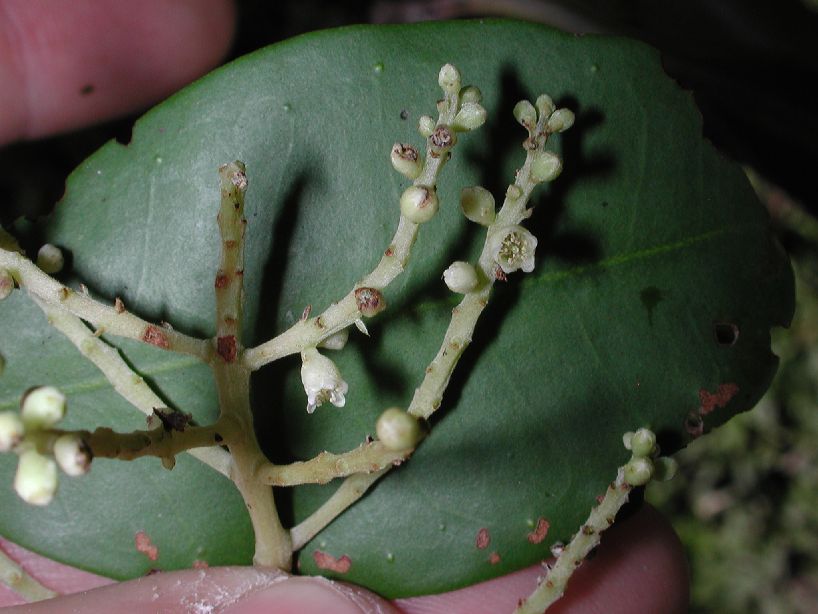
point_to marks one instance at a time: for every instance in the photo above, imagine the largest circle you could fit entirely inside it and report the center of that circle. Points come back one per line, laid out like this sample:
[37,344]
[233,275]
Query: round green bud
[545,166]
[471,93]
[50,259]
[477,204]
[42,407]
[544,105]
[426,126]
[406,160]
[6,283]
[638,471]
[11,430]
[397,430]
[560,120]
[470,116]
[36,478]
[449,79]
[418,203]
[666,468]
[643,442]
[460,277]
[525,114]
[72,454]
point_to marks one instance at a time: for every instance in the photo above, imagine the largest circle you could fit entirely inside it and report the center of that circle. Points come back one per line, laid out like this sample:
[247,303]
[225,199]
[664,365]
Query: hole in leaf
[725,333]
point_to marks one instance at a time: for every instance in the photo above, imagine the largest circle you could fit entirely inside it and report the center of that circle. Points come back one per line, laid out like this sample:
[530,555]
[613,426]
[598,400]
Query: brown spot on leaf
[540,531]
[494,558]
[198,564]
[145,546]
[231,244]
[330,563]
[119,306]
[222,280]
[389,251]
[720,398]
[483,539]
[227,348]
[154,336]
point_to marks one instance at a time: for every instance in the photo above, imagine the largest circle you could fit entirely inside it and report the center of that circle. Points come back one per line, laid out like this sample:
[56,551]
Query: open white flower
[322,380]
[513,248]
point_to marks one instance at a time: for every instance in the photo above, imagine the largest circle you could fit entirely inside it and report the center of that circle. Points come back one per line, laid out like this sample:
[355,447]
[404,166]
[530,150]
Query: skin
[64,65]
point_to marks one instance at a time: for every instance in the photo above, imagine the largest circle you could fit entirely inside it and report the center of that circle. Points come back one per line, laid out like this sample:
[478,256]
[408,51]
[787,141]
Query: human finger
[68,64]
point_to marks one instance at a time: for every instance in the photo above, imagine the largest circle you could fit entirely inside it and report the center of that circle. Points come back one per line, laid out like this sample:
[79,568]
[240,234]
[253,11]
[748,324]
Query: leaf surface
[657,282]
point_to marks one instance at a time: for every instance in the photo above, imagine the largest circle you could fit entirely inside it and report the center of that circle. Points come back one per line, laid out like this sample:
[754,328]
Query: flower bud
[397,430]
[36,478]
[50,259]
[666,468]
[336,341]
[626,440]
[322,380]
[460,277]
[406,160]
[638,471]
[477,204]
[418,203]
[426,125]
[470,116]
[525,114]
[72,454]
[471,93]
[6,283]
[545,166]
[449,79]
[42,407]
[544,105]
[643,442]
[11,430]
[560,120]
[370,301]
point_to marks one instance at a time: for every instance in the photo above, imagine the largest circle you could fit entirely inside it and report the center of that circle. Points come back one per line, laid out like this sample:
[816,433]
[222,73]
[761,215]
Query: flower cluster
[40,449]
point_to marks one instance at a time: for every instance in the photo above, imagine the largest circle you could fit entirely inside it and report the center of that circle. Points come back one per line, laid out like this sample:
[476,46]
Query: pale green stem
[16,578]
[310,332]
[366,458]
[552,586]
[126,382]
[352,489]
[273,547]
[113,320]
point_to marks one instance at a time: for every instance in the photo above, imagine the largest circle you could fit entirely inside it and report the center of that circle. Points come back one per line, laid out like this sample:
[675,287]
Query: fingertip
[64,65]
[302,595]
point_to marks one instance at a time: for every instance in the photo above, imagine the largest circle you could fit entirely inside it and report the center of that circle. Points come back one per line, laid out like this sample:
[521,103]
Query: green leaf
[657,282]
